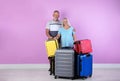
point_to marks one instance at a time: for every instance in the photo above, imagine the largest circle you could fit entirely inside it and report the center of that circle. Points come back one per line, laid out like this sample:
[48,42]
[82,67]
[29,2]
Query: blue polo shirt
[66,36]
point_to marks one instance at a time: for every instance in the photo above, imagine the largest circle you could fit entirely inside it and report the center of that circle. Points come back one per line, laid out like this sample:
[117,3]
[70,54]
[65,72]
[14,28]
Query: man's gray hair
[56,11]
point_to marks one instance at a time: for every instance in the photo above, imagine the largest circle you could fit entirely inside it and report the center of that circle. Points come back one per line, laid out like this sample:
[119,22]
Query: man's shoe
[49,69]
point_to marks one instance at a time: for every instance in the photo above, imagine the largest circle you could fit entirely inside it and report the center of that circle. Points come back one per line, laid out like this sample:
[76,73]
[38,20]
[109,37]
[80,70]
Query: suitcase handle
[76,47]
[87,55]
[77,42]
[67,48]
[50,39]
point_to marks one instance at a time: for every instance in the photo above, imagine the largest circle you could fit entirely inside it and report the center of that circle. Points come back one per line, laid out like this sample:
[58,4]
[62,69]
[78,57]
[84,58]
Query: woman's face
[65,21]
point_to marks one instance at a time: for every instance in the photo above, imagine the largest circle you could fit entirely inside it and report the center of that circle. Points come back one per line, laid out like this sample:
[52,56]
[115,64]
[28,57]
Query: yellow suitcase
[51,47]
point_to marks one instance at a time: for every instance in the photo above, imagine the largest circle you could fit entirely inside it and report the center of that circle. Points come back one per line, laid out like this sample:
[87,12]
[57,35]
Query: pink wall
[22,28]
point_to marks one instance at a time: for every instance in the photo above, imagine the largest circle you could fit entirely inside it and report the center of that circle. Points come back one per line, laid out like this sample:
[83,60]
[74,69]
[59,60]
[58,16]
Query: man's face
[55,16]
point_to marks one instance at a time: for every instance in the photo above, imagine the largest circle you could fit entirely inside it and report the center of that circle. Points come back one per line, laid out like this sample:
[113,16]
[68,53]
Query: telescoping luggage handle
[56,42]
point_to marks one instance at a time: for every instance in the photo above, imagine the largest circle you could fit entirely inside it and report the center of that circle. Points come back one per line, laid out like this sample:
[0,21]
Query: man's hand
[50,37]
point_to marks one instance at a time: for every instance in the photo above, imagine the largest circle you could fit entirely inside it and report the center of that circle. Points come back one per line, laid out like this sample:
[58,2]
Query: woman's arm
[74,36]
[57,37]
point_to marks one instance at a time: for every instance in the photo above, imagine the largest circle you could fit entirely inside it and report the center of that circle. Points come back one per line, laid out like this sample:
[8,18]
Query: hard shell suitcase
[83,46]
[64,63]
[51,47]
[84,65]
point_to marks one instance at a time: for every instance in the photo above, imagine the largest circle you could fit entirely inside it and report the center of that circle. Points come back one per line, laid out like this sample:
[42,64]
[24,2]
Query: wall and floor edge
[46,66]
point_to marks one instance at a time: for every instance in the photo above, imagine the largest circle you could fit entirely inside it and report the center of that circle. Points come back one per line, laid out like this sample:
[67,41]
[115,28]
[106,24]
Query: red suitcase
[83,46]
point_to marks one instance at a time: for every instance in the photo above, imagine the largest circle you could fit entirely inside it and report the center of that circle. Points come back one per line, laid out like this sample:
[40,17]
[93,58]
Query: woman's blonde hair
[67,22]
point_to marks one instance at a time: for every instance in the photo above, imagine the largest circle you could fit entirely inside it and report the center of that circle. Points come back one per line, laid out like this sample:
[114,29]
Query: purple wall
[22,28]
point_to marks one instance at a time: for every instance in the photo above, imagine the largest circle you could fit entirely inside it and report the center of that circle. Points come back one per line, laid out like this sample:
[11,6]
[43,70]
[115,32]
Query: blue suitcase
[84,65]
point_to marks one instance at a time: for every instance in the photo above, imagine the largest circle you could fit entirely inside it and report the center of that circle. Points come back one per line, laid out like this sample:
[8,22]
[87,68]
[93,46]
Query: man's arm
[47,34]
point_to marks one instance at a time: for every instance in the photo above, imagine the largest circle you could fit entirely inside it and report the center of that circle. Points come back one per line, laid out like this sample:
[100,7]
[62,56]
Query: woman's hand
[55,38]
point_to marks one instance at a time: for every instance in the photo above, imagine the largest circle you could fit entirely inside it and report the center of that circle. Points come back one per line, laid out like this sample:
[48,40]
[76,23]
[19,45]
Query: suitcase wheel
[72,78]
[55,77]
[50,73]
[90,76]
[83,78]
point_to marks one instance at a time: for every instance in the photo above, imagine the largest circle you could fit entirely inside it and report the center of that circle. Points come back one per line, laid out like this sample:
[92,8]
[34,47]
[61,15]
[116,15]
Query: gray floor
[43,75]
